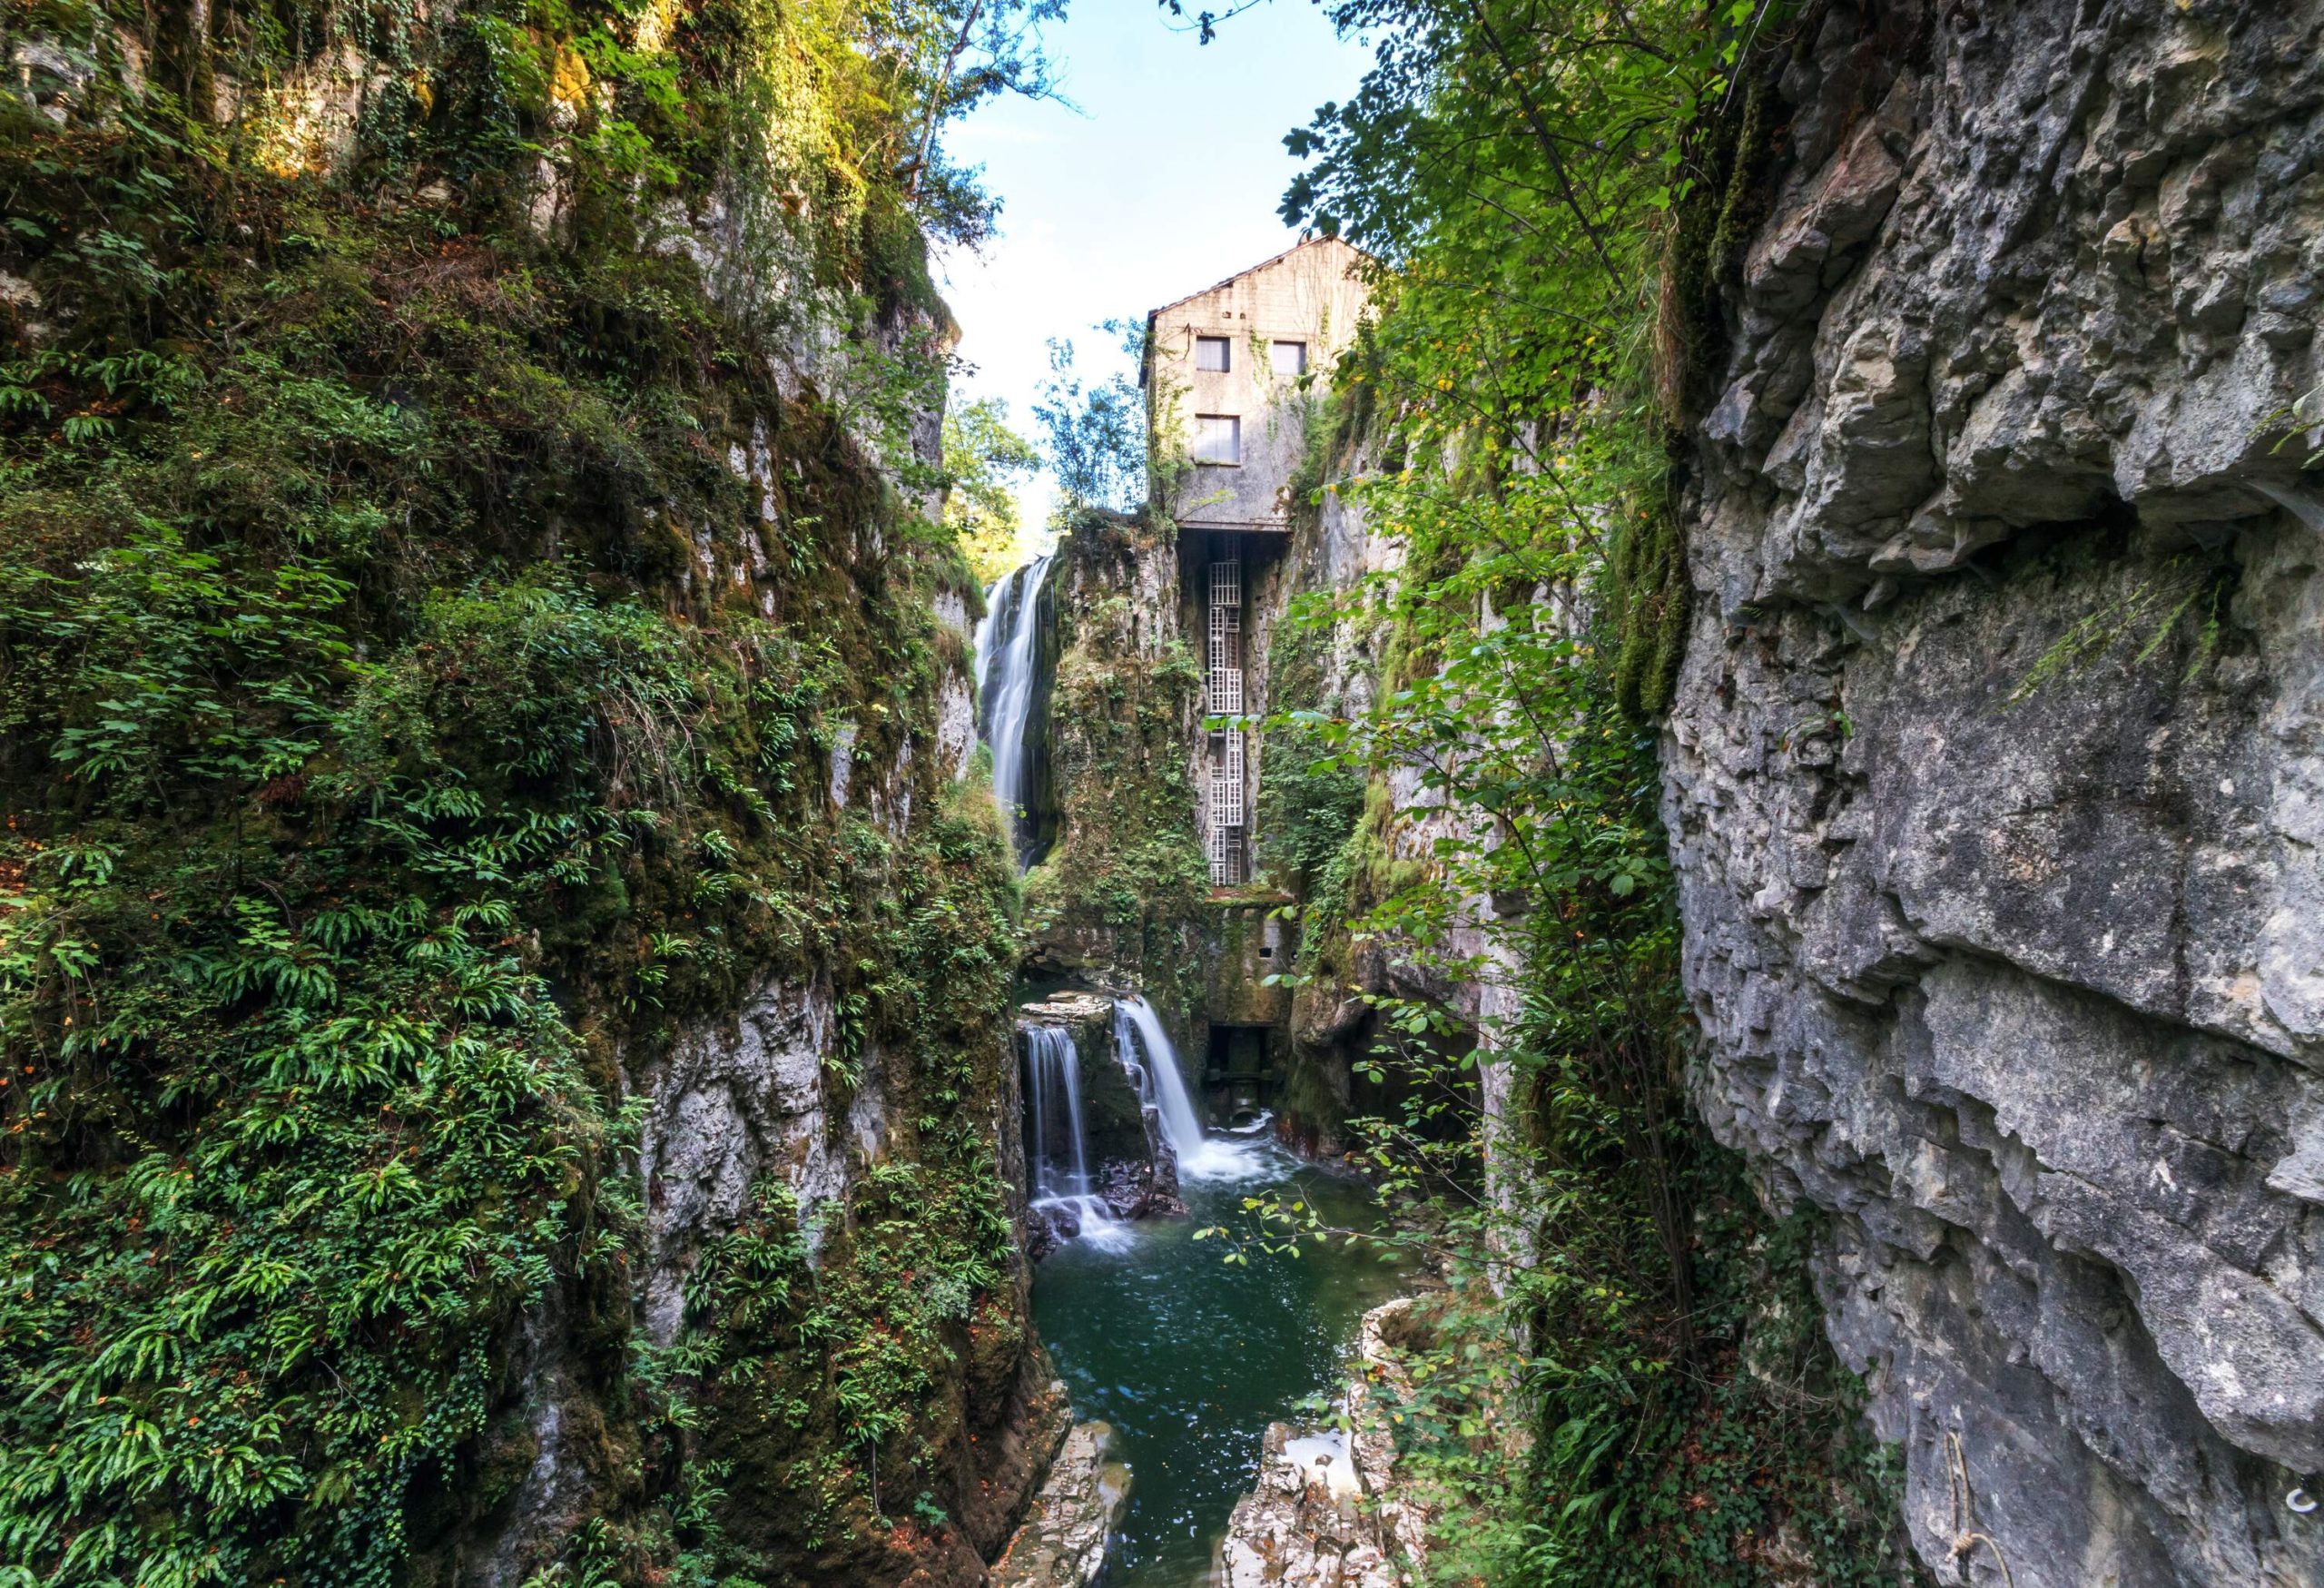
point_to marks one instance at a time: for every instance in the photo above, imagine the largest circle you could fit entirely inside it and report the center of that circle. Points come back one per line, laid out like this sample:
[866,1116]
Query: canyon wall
[1995,775]
[1116,899]
[509,489]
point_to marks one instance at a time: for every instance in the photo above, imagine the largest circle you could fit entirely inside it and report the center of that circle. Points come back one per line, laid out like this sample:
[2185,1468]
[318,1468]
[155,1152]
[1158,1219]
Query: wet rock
[1327,1511]
[1073,1518]
[1048,1226]
[1305,1524]
[1143,1190]
[1132,1169]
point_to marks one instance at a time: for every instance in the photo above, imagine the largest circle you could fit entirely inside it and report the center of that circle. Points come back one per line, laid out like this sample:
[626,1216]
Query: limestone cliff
[1995,774]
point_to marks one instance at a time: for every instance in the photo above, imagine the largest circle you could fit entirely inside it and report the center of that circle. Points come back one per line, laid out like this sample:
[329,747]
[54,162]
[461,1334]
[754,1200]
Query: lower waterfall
[1200,1157]
[1057,1151]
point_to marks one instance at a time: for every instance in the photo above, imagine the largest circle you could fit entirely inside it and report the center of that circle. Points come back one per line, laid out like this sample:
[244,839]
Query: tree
[946,57]
[1550,186]
[983,461]
[1096,432]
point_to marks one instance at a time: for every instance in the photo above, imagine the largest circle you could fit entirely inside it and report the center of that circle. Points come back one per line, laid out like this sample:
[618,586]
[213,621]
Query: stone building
[1232,375]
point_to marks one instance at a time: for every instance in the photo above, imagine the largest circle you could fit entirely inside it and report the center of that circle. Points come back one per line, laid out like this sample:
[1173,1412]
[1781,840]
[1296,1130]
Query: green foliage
[1640,1395]
[1120,888]
[291,1127]
[1633,1475]
[424,625]
[1309,803]
[1098,444]
[813,1379]
[1679,1411]
[1126,852]
[983,456]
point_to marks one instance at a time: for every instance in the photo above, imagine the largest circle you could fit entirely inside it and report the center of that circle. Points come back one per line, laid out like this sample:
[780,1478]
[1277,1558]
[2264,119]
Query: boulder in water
[1326,1512]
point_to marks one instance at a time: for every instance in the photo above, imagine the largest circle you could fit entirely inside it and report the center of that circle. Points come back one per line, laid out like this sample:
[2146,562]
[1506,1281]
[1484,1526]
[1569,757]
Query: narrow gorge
[1616,884]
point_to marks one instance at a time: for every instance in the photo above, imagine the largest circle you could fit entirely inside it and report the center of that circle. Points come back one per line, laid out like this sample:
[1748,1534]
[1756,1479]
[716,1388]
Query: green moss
[1728,156]
[1121,886]
[393,756]
[1652,598]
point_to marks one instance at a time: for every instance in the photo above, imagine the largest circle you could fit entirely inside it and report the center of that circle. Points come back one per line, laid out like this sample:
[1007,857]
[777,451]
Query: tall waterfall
[1008,653]
[1200,1157]
[1058,1155]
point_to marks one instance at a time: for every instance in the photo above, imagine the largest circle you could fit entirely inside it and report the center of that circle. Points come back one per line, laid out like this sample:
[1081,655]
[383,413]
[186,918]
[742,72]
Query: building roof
[1146,359]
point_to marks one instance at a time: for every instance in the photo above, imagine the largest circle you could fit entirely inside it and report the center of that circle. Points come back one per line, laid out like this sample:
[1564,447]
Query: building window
[1211,354]
[1290,358]
[1226,670]
[1218,439]
[1226,857]
[1228,840]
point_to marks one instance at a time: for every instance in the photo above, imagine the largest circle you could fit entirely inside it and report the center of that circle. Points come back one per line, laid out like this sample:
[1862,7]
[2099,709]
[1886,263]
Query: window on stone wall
[1218,439]
[1290,358]
[1211,354]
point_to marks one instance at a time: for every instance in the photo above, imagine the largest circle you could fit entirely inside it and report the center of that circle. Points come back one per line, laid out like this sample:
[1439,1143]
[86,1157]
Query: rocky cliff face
[1117,898]
[1996,781]
[651,1207]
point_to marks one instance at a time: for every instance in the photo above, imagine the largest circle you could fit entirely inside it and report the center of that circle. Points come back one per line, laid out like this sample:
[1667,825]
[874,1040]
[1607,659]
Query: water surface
[1190,1359]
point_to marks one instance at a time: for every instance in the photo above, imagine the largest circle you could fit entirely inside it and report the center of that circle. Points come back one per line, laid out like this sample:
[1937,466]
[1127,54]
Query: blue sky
[1162,178]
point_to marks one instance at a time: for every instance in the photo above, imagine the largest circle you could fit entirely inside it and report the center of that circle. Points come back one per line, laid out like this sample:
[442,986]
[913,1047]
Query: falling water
[1006,656]
[1053,1064]
[1200,1157]
[1053,1078]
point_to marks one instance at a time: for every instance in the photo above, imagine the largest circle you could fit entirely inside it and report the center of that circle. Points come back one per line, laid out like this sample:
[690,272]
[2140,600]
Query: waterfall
[1059,1177]
[1200,1157]
[1052,1061]
[1008,652]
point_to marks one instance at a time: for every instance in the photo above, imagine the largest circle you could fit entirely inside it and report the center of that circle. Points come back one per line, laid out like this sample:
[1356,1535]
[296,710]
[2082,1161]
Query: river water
[1190,1359]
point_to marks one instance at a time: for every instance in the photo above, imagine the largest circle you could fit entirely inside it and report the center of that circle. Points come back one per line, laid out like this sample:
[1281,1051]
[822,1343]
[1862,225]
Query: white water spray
[1200,1157]
[1008,653]
[1061,1178]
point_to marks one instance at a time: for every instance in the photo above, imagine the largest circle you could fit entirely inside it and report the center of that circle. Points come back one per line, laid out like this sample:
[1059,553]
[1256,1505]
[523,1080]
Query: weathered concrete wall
[1308,295]
[1995,782]
[1244,944]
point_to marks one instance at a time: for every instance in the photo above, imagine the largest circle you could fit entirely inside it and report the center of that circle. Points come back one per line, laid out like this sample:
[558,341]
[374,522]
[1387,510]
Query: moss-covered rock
[466,611]
[1118,897]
